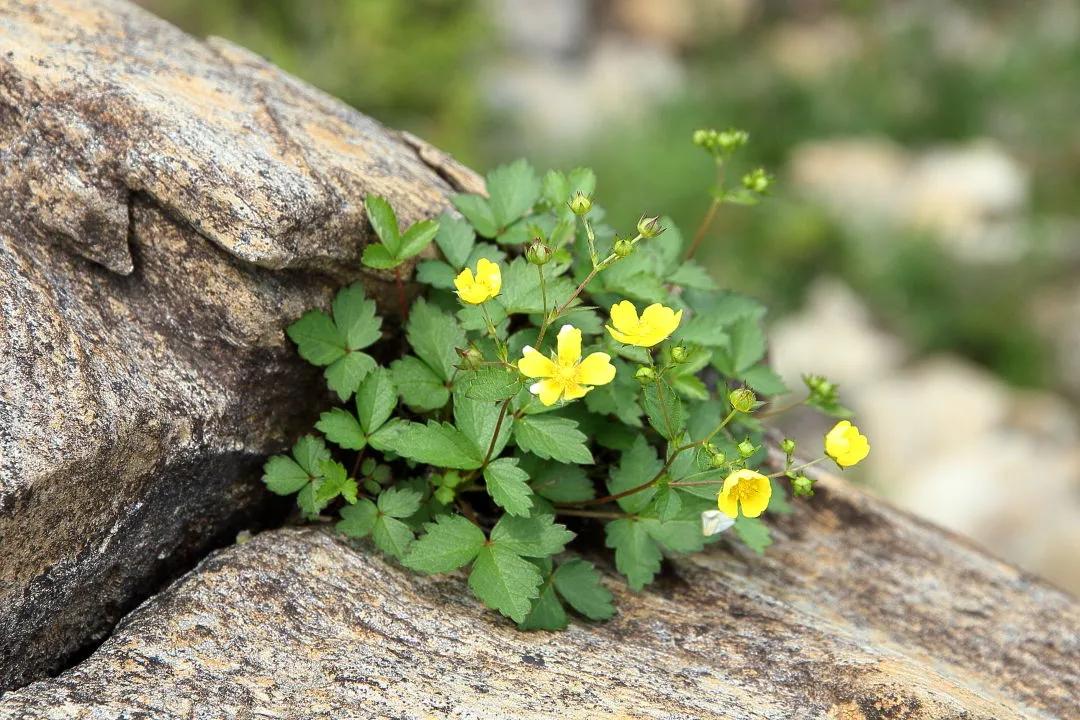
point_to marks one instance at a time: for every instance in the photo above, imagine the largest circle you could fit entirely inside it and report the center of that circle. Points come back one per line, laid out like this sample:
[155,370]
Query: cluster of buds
[721,143]
[757,181]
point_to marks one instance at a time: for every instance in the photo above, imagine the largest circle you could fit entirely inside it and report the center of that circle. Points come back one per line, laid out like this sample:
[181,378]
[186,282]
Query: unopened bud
[580,204]
[788,446]
[731,140]
[538,253]
[471,359]
[757,181]
[701,138]
[623,247]
[719,459]
[645,375]
[679,354]
[747,448]
[802,486]
[649,227]
[742,399]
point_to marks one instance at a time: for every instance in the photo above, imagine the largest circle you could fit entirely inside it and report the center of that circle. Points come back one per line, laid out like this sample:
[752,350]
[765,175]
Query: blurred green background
[927,156]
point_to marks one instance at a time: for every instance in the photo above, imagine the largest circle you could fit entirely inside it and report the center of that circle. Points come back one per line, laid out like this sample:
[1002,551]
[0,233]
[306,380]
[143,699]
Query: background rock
[151,186]
[858,611]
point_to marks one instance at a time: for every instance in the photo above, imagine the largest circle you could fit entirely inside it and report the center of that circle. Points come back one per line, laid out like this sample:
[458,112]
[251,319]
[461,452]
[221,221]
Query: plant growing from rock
[552,371]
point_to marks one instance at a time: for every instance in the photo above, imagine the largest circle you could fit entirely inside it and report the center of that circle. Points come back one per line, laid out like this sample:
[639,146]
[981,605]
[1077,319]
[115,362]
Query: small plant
[553,372]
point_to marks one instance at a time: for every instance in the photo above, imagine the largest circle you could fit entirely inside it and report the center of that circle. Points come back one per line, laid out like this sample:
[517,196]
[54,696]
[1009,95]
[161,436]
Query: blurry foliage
[900,86]
[409,64]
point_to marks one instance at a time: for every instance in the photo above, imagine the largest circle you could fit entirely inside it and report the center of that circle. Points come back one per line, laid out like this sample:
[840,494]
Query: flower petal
[548,391]
[464,280]
[619,337]
[726,501]
[534,365]
[569,343]
[596,369]
[624,317]
[756,499]
[574,391]
[490,275]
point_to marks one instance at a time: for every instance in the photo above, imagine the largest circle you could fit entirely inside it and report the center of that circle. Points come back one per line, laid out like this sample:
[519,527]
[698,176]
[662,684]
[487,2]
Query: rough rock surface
[168,207]
[858,612]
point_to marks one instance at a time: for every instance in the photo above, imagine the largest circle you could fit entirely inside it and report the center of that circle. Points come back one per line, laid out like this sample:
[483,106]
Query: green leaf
[637,466]
[636,553]
[310,452]
[317,338]
[579,584]
[618,398]
[508,486]
[346,373]
[437,444]
[335,482]
[703,330]
[399,502]
[557,482]
[392,536]
[692,275]
[745,349]
[764,380]
[283,476]
[358,520]
[436,273]
[477,420]
[513,190]
[505,582]
[478,212]
[383,222]
[491,384]
[688,385]
[537,537]
[552,438]
[754,533]
[448,543]
[434,335]
[375,400]
[778,501]
[547,612]
[555,189]
[521,287]
[681,536]
[416,238]
[341,428]
[666,504]
[379,258]
[456,239]
[724,309]
[308,500]
[355,317]
[663,408]
[420,387]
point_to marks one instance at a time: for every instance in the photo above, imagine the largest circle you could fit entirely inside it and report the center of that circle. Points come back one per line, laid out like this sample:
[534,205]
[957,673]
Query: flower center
[568,373]
[744,490]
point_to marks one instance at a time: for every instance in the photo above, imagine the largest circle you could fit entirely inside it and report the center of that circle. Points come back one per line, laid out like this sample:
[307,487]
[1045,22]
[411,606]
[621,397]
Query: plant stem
[592,513]
[700,235]
[798,467]
[498,427]
[401,293]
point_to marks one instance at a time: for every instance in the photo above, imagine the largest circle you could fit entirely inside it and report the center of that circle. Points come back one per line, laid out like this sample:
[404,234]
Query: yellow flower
[846,445]
[656,323]
[565,374]
[750,488]
[481,288]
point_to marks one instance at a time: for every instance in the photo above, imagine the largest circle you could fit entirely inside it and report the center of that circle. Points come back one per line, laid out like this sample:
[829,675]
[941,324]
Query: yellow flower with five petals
[744,487]
[486,284]
[656,323]
[565,374]
[846,445]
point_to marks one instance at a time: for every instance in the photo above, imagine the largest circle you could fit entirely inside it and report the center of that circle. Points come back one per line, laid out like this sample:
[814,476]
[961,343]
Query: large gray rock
[859,612]
[168,207]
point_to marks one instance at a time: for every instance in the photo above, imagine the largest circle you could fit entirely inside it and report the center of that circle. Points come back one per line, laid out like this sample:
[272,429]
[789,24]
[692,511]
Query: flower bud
[731,140]
[719,460]
[701,138]
[788,446]
[623,247]
[471,359]
[679,354]
[538,253]
[747,448]
[742,400]
[802,486]
[580,204]
[645,375]
[649,227]
[757,181]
